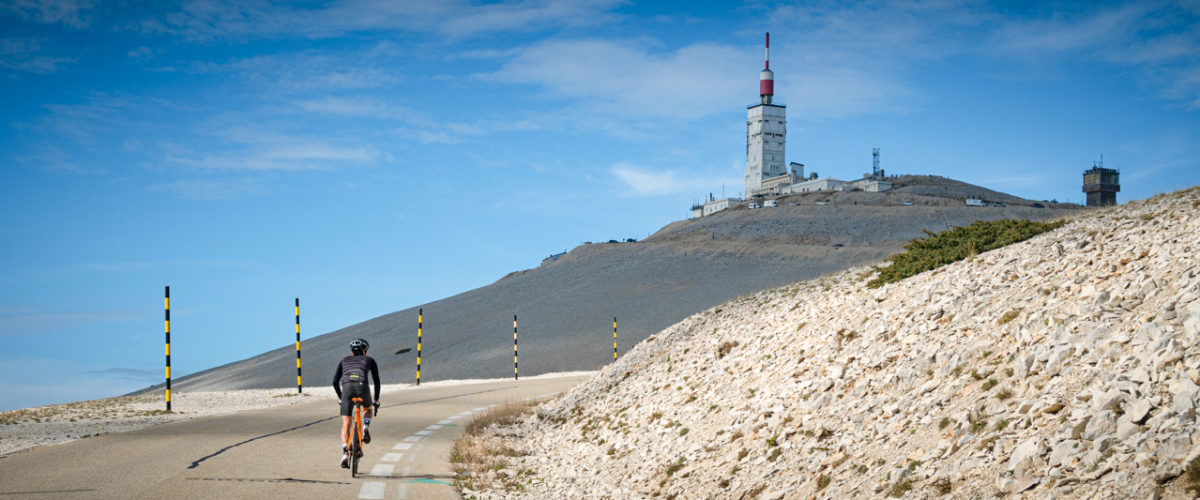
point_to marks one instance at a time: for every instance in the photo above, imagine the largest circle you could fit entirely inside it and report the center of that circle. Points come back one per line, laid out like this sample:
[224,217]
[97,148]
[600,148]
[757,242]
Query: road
[283,452]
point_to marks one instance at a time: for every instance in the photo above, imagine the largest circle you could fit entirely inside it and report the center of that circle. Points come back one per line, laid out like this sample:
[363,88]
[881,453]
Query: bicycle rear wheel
[355,447]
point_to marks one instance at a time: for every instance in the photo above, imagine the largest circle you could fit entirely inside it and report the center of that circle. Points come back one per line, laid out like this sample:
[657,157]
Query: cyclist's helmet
[359,346]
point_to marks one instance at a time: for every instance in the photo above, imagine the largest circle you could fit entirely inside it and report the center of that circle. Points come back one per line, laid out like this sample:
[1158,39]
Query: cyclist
[351,375]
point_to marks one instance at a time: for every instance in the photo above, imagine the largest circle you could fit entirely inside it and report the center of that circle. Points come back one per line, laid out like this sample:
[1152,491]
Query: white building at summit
[767,171]
[766,134]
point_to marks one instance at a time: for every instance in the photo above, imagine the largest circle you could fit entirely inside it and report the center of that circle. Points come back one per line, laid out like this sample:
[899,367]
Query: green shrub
[899,489]
[673,468]
[1009,316]
[1193,476]
[939,249]
[823,481]
[942,486]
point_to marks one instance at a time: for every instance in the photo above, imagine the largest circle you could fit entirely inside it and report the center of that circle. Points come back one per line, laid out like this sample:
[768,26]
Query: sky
[367,156]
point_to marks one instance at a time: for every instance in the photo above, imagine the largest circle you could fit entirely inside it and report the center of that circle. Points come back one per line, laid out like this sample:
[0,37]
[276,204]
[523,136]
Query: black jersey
[354,369]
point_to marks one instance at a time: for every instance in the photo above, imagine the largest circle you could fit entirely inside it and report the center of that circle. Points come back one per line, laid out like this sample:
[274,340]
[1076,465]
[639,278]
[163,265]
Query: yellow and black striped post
[299,381]
[167,323]
[420,324]
[614,339]
[515,373]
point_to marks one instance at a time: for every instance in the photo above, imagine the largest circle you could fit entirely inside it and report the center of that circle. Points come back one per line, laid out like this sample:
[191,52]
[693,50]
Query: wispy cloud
[1159,40]
[73,13]
[834,61]
[1063,33]
[312,70]
[356,107]
[629,78]
[19,320]
[645,181]
[77,381]
[130,374]
[208,20]
[243,148]
[27,55]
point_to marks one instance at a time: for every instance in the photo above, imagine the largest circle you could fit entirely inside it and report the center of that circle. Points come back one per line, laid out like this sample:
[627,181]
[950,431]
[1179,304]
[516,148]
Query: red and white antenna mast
[766,78]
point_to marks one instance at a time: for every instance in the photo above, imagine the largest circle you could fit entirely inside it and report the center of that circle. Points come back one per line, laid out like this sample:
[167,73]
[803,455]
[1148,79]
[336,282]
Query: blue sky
[372,155]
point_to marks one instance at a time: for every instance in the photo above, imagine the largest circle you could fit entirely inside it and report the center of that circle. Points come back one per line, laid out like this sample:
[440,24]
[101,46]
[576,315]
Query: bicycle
[354,440]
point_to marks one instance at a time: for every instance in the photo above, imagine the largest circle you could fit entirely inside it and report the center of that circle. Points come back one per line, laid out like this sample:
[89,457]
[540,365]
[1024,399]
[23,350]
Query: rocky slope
[566,306]
[1065,366]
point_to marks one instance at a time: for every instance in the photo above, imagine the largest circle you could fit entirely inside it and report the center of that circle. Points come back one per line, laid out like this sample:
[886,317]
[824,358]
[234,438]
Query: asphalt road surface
[283,452]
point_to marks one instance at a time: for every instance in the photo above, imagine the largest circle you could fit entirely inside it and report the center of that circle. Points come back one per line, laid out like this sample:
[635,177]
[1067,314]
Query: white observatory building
[766,131]
[767,173]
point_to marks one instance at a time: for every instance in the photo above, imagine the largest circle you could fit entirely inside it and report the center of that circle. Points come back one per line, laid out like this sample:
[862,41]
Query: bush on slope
[939,249]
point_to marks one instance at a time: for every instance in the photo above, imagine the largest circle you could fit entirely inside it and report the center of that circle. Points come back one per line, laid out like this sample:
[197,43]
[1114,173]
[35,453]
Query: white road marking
[435,427]
[481,408]
[412,458]
[402,446]
[372,490]
[383,470]
[401,490]
[446,422]
[423,433]
[407,470]
[392,457]
[412,439]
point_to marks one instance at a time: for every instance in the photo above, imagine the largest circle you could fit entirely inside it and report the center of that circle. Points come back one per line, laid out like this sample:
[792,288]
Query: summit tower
[766,130]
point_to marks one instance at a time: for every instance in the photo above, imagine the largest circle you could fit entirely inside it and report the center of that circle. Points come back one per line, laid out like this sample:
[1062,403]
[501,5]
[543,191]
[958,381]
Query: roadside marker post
[614,338]
[515,372]
[420,324]
[167,326]
[299,383]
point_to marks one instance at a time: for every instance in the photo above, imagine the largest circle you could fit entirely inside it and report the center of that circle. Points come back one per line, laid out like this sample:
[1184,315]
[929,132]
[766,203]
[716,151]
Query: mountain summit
[1064,366]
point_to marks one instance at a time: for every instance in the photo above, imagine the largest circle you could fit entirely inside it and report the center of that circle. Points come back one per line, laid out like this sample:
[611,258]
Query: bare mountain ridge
[1063,366]
[566,305]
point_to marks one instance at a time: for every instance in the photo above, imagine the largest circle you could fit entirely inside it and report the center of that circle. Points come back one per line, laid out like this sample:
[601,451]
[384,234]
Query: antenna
[875,162]
[767,54]
[766,78]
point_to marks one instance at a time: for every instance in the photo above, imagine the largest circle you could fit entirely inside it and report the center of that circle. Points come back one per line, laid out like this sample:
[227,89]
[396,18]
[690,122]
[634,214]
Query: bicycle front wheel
[355,448]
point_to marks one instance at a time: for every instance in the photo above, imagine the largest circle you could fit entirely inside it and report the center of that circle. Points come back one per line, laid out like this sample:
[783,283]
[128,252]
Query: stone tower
[1101,185]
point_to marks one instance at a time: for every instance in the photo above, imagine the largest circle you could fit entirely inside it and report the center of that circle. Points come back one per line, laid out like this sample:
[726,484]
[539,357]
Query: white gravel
[55,424]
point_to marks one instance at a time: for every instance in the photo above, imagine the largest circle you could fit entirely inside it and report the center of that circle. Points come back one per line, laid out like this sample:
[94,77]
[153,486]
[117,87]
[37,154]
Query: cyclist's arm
[374,374]
[337,378]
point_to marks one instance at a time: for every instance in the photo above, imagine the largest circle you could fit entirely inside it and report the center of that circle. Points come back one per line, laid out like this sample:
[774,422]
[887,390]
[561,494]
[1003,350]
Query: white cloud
[658,182]
[296,155]
[310,70]
[626,78]
[1061,33]
[207,20]
[1160,41]
[78,381]
[73,13]
[831,61]
[19,320]
[142,53]
[358,107]
[26,55]
[260,147]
